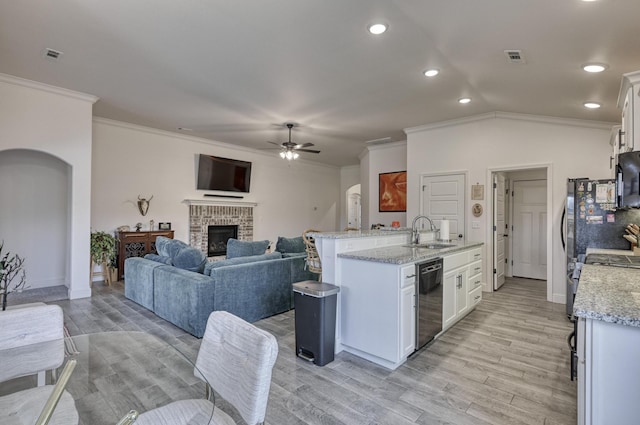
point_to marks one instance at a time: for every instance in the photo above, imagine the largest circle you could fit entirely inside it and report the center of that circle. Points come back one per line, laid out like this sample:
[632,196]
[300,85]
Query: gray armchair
[236,359]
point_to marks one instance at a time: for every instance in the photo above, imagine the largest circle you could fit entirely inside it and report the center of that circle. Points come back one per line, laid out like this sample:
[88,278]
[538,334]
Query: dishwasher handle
[430,269]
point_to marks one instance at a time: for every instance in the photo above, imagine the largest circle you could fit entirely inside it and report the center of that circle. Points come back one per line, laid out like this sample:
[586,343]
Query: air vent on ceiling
[51,54]
[515,56]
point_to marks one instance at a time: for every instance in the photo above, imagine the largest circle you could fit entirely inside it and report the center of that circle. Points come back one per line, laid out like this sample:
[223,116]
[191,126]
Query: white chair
[23,326]
[236,358]
[32,342]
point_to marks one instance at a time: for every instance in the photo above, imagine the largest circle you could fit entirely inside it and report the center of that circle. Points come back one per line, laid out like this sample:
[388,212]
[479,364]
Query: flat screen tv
[230,175]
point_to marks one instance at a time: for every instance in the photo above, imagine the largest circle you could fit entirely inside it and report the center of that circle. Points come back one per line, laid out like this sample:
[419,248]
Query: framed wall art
[392,192]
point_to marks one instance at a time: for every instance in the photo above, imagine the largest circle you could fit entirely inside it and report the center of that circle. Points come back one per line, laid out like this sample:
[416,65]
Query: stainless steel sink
[429,245]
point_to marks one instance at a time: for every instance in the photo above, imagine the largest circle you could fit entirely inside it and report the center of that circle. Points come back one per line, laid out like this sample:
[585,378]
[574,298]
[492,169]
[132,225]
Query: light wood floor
[506,363]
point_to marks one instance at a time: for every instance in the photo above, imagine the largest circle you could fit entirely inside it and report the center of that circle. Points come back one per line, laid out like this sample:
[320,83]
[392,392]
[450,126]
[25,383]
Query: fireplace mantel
[231,203]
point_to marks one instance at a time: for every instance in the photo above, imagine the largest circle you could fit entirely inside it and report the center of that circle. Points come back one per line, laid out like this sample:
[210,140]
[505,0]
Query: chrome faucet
[415,235]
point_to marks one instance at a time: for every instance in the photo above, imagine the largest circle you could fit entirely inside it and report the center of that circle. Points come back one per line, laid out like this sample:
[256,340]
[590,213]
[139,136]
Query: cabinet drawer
[407,276]
[475,296]
[475,282]
[475,268]
[454,261]
[475,254]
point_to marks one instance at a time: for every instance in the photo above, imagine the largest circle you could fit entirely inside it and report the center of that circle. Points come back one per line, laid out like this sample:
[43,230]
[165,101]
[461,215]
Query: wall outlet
[475,224]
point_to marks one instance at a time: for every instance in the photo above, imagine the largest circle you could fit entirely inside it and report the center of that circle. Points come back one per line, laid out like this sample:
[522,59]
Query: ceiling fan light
[289,155]
[296,155]
[283,155]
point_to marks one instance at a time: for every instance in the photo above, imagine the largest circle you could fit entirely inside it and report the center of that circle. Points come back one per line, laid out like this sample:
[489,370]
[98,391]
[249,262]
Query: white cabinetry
[378,311]
[462,285]
[629,103]
[407,310]
[329,248]
[608,371]
[615,141]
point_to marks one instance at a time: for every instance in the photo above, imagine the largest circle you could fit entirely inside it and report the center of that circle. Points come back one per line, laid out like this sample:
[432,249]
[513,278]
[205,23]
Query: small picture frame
[164,226]
[477,192]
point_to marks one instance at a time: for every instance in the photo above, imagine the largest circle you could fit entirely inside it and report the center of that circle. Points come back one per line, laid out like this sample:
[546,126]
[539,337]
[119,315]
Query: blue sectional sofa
[179,285]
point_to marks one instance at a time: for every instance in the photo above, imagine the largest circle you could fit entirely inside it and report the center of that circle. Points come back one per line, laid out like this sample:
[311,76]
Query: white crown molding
[17,81]
[391,145]
[628,80]
[516,117]
[225,203]
[196,139]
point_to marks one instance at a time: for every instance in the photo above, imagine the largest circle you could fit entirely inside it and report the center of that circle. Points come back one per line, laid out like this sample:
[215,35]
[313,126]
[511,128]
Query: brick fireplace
[203,214]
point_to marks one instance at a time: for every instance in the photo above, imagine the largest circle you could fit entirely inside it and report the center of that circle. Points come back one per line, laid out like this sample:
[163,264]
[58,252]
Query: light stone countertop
[360,233]
[610,294]
[609,251]
[399,254]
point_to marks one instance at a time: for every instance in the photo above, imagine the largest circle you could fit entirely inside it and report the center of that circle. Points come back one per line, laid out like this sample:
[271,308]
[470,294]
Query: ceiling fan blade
[304,145]
[307,150]
[274,143]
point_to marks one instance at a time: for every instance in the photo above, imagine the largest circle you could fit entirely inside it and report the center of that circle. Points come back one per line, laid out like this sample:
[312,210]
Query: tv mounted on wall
[216,173]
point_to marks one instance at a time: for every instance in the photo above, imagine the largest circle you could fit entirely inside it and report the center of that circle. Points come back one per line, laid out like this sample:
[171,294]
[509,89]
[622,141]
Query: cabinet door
[450,289]
[407,320]
[462,299]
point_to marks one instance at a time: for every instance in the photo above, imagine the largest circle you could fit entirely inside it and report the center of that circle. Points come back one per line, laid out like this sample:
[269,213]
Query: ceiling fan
[290,149]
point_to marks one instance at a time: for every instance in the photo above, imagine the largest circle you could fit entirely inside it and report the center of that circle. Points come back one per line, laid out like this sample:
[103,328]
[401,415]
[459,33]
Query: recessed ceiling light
[377,29]
[464,100]
[592,105]
[594,67]
[431,72]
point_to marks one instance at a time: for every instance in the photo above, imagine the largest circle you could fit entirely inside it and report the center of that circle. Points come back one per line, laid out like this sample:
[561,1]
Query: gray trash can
[315,305]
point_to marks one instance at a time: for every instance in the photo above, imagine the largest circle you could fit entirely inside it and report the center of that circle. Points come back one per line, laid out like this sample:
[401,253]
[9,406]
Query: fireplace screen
[218,237]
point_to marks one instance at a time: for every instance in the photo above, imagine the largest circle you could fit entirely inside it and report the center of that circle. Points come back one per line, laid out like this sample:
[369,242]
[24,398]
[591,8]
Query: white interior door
[530,229]
[443,198]
[499,229]
[353,211]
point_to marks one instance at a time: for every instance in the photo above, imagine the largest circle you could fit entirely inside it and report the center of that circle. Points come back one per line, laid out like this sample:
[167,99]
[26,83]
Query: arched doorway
[354,209]
[35,214]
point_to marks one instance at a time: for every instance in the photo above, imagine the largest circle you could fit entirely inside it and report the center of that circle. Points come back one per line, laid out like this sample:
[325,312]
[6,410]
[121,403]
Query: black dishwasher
[428,301]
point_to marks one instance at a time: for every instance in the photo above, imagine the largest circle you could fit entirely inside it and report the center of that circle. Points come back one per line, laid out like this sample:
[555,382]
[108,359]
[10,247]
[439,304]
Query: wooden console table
[137,244]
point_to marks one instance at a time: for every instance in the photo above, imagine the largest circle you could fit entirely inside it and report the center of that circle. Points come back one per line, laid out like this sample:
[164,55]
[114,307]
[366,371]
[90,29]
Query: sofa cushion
[159,259]
[240,260]
[236,248]
[290,245]
[167,247]
[190,258]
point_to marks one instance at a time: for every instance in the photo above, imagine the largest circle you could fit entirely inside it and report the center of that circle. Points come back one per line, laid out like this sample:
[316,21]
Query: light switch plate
[475,224]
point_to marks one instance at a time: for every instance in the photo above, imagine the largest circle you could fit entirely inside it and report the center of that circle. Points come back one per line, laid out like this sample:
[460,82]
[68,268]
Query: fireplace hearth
[218,235]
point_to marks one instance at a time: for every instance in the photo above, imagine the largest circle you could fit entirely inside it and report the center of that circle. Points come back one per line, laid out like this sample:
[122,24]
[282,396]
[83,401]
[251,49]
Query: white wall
[131,160]
[33,217]
[509,141]
[349,176]
[378,159]
[55,121]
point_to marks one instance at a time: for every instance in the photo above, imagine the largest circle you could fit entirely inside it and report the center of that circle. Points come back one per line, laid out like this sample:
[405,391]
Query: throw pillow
[240,260]
[236,248]
[191,259]
[168,247]
[288,245]
[159,259]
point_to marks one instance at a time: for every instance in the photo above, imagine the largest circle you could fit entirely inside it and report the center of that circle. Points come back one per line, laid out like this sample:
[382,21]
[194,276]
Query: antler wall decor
[143,205]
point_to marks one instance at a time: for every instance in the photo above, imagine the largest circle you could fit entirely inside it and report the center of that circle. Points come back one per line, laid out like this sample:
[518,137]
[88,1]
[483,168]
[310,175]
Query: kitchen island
[607,306]
[376,306]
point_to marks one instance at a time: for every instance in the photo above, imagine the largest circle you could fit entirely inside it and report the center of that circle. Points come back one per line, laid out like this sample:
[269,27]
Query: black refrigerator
[591,222]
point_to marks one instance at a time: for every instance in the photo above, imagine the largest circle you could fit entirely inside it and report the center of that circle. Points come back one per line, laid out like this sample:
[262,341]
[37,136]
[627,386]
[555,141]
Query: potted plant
[103,251]
[11,267]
